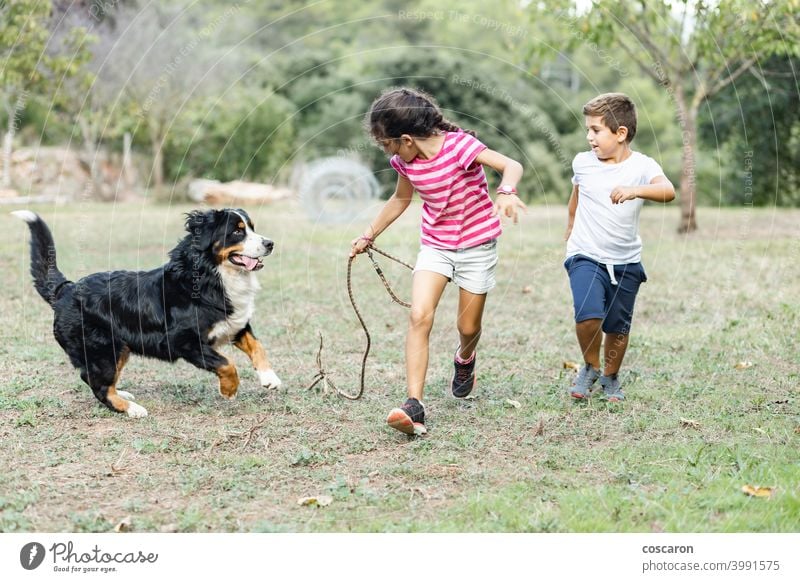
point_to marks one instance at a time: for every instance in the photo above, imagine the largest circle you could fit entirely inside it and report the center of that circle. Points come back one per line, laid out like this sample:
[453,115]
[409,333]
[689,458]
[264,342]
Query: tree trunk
[127,171]
[8,144]
[90,154]
[158,163]
[688,184]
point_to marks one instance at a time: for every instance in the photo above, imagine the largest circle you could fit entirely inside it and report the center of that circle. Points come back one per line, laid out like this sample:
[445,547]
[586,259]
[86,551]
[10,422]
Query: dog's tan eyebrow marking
[242,218]
[241,225]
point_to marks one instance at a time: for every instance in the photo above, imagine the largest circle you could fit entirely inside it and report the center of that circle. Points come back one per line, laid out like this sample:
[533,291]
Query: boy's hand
[359,245]
[622,193]
[507,205]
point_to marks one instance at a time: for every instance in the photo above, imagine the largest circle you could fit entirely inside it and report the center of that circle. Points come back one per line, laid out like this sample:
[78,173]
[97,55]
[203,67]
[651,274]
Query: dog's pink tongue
[248,262]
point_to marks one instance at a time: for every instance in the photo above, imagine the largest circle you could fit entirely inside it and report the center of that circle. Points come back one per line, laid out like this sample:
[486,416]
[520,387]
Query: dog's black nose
[268,244]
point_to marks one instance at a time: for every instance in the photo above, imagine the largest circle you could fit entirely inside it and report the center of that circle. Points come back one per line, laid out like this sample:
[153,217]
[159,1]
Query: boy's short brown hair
[616,109]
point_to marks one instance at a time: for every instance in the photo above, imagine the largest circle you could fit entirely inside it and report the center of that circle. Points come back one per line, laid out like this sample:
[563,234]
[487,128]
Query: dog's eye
[238,231]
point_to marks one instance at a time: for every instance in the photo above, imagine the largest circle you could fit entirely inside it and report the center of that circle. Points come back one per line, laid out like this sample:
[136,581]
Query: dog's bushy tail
[47,279]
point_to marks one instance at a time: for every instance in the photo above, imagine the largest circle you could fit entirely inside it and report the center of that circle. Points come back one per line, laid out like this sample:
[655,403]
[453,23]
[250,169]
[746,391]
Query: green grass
[725,295]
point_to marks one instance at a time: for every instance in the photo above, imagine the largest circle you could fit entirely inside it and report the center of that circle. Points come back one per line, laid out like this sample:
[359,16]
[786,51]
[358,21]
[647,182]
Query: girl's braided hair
[406,111]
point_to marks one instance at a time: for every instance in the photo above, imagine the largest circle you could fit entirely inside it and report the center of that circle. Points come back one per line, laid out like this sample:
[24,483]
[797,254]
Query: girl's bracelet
[369,239]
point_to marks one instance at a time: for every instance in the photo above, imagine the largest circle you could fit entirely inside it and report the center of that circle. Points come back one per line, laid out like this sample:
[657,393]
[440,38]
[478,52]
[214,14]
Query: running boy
[460,227]
[610,184]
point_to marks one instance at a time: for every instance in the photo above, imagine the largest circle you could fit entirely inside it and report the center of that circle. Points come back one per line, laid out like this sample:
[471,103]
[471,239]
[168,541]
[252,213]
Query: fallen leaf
[568,365]
[757,491]
[539,429]
[318,500]
[689,423]
[760,430]
[743,365]
[124,525]
[527,289]
[513,403]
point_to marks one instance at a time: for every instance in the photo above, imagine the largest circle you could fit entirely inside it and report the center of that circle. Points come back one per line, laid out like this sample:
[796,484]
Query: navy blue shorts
[594,297]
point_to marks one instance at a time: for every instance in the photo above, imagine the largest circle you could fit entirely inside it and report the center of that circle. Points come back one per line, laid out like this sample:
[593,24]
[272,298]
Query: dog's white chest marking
[241,288]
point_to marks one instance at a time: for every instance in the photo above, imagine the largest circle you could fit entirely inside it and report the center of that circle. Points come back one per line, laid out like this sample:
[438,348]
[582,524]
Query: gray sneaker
[587,376]
[612,389]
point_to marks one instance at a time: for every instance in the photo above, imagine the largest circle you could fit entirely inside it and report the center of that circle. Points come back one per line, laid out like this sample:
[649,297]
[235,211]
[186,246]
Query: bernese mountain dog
[202,299]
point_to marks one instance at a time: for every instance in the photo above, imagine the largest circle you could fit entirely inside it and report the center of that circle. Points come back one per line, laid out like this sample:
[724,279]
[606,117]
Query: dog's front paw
[125,395]
[269,379]
[136,411]
[228,392]
[228,381]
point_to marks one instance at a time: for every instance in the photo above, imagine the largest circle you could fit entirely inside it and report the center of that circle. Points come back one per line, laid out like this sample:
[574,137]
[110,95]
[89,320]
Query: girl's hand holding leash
[508,205]
[360,244]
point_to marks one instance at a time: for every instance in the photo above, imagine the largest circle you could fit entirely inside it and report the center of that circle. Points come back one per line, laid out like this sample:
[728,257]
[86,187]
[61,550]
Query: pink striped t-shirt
[456,207]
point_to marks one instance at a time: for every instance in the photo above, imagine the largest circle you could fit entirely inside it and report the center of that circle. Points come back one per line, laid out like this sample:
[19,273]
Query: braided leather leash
[322,374]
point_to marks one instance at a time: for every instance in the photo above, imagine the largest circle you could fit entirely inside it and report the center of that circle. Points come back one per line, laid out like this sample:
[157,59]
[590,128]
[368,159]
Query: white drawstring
[610,269]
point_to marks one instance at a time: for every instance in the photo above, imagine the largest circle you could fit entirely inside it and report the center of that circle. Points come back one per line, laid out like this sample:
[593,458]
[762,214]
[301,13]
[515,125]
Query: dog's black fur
[167,313]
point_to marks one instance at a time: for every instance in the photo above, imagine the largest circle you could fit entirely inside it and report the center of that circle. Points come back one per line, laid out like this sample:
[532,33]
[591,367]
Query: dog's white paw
[126,395]
[269,379]
[136,411]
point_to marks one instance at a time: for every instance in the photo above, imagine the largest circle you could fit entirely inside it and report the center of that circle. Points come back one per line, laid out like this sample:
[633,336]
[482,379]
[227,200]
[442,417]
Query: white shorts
[470,269]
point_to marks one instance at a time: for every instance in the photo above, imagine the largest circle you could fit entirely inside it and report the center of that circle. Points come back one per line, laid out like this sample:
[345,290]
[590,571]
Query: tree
[508,111]
[26,67]
[157,59]
[247,135]
[71,100]
[759,133]
[693,50]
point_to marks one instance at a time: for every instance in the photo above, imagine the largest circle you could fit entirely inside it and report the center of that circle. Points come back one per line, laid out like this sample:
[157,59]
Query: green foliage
[23,36]
[695,51]
[28,67]
[495,100]
[517,73]
[696,45]
[13,505]
[247,134]
[754,125]
[89,522]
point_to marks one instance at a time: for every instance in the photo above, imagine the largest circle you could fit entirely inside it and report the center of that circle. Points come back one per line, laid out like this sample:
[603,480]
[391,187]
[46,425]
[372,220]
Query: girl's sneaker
[587,376]
[612,389]
[463,380]
[409,418]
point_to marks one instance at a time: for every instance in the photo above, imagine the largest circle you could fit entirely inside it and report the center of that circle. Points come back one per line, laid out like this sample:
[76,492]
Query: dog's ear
[201,225]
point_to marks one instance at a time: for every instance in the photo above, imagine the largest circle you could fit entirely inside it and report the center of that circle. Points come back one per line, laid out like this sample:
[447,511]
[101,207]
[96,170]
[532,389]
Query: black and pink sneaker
[409,418]
[464,379]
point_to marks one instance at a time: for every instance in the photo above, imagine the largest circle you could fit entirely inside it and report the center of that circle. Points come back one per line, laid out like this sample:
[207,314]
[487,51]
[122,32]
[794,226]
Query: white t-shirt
[608,233]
